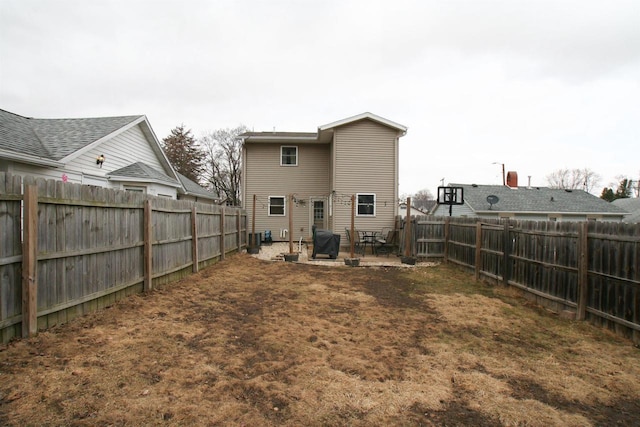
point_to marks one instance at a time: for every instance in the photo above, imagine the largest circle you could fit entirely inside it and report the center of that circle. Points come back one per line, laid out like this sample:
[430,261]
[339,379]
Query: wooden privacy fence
[68,249]
[589,268]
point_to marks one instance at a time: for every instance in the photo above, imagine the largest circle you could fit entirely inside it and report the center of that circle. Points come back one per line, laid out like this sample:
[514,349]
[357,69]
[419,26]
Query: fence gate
[428,237]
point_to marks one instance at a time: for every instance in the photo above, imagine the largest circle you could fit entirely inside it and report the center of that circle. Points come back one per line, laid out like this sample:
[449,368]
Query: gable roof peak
[362,116]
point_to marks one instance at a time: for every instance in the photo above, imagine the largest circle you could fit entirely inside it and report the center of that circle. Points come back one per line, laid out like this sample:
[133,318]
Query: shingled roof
[534,199]
[140,171]
[631,205]
[55,139]
[194,189]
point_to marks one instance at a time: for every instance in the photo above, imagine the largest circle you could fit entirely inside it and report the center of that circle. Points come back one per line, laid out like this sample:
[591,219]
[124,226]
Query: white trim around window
[277,206]
[366,204]
[288,155]
[135,188]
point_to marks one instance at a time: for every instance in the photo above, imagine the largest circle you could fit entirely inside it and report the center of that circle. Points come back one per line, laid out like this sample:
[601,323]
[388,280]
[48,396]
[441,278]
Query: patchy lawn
[249,342]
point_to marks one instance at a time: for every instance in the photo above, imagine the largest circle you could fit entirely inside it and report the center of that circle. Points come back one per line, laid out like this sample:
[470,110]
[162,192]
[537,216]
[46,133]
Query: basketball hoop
[450,196]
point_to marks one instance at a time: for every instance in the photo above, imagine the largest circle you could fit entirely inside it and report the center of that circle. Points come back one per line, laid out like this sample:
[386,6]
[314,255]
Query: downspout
[244,175]
[396,165]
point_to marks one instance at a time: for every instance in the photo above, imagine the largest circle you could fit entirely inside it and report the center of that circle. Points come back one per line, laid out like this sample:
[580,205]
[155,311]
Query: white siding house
[114,152]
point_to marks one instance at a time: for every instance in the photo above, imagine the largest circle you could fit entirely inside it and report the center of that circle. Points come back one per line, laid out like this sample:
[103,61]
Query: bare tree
[223,165]
[423,200]
[574,179]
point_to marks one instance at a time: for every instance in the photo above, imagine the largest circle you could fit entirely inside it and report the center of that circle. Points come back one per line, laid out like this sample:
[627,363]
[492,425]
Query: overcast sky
[536,85]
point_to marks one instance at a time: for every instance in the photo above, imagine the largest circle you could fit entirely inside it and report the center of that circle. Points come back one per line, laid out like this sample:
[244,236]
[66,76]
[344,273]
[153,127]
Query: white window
[135,189]
[288,155]
[276,206]
[366,205]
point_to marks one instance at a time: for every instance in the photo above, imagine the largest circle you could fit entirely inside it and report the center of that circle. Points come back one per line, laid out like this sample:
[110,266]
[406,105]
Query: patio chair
[357,244]
[386,243]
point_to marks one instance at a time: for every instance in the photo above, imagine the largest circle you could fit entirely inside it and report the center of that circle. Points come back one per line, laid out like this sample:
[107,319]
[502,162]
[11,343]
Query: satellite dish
[492,200]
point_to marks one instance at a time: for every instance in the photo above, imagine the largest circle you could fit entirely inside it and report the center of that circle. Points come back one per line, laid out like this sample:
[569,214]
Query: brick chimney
[512,179]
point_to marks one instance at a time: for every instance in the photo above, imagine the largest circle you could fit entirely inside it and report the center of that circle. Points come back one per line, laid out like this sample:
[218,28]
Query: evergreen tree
[624,189]
[184,153]
[622,192]
[607,194]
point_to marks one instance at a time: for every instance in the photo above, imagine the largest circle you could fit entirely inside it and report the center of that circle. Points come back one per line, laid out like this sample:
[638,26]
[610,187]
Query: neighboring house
[322,170]
[402,210]
[631,205]
[530,203]
[113,152]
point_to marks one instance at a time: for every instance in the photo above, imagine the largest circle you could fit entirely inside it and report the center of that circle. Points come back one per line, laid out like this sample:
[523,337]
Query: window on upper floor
[366,205]
[276,206]
[288,155]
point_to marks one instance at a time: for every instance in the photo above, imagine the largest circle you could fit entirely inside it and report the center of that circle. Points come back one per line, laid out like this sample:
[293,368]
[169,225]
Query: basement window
[135,189]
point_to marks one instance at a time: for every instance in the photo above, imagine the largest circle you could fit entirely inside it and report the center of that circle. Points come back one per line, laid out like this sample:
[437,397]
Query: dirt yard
[256,343]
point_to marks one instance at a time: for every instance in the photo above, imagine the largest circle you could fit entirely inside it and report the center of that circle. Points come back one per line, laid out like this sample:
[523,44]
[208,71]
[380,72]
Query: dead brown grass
[249,342]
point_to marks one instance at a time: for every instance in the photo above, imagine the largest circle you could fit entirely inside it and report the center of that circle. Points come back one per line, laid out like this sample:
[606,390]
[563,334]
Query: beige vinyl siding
[366,162]
[265,177]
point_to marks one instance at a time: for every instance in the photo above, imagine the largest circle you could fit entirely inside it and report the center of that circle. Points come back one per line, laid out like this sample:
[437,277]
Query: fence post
[583,273]
[194,238]
[148,248]
[506,243]
[222,234]
[30,262]
[238,222]
[407,242]
[478,249]
[447,224]
[290,215]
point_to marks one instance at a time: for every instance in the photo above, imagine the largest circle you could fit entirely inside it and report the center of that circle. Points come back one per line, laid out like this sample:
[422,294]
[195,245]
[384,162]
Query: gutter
[33,160]
[494,211]
[280,138]
[147,180]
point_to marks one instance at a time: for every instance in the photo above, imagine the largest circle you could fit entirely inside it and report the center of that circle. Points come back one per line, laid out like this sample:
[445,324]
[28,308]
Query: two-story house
[319,172]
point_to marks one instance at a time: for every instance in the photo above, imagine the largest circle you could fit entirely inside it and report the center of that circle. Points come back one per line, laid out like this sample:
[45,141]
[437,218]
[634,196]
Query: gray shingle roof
[142,172]
[535,199]
[54,139]
[195,189]
[631,205]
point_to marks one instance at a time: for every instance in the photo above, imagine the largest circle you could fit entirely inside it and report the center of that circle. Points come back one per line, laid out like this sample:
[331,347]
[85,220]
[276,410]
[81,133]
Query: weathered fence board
[591,268]
[10,256]
[90,248]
